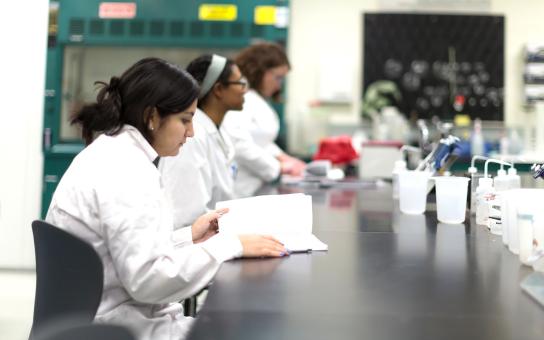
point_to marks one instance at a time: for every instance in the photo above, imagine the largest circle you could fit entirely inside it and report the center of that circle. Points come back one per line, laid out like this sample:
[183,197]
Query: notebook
[286,217]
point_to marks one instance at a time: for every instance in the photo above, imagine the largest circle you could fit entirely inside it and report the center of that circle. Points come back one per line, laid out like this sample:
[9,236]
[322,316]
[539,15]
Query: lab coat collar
[206,122]
[211,129]
[140,140]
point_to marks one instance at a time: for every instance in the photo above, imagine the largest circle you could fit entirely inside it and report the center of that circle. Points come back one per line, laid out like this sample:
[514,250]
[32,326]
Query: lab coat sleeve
[261,162]
[274,149]
[183,236]
[150,266]
[187,180]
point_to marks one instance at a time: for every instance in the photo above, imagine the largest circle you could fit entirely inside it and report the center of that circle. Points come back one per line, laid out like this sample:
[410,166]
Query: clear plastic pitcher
[413,191]
[451,199]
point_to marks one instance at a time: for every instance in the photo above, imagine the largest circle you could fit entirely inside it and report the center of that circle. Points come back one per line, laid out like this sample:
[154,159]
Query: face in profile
[172,131]
[235,88]
[273,80]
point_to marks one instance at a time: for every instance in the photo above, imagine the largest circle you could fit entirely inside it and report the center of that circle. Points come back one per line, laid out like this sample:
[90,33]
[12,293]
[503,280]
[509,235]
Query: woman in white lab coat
[254,130]
[112,197]
[204,172]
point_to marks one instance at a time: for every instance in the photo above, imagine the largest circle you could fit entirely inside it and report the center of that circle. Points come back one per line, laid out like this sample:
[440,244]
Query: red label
[117,10]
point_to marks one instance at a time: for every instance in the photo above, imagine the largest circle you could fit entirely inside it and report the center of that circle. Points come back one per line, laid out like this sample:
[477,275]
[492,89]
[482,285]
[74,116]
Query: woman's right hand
[291,165]
[261,246]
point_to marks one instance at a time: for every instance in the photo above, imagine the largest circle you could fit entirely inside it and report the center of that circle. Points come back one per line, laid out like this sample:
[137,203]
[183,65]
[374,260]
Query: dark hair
[199,66]
[151,83]
[255,60]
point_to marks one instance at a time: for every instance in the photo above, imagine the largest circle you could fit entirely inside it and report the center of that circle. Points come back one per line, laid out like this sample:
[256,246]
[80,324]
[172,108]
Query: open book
[286,217]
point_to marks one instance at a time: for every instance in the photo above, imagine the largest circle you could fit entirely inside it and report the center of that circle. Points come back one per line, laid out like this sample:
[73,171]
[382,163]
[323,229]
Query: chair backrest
[69,276]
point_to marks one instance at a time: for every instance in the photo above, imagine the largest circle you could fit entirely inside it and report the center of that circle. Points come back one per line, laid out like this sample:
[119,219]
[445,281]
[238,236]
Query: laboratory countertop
[386,275]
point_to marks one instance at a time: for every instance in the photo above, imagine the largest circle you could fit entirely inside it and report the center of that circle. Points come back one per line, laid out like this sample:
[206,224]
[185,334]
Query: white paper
[286,217]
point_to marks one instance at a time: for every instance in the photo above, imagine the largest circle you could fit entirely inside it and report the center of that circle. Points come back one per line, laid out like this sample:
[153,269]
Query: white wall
[334,29]
[523,25]
[23,33]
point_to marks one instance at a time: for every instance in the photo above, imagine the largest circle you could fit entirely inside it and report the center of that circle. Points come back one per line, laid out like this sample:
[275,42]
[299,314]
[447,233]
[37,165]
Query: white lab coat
[112,197]
[201,174]
[253,132]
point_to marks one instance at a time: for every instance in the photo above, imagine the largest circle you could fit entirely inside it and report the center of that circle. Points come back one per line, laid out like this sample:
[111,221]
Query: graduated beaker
[451,198]
[413,191]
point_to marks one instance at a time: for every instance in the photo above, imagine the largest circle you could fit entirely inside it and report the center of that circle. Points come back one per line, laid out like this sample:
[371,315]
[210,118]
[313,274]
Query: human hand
[297,167]
[207,225]
[291,165]
[261,246]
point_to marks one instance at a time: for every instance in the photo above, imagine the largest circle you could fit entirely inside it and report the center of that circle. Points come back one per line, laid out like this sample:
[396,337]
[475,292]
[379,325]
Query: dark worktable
[386,276]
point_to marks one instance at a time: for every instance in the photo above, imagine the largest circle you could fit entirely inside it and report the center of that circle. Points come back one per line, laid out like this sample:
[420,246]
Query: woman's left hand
[206,225]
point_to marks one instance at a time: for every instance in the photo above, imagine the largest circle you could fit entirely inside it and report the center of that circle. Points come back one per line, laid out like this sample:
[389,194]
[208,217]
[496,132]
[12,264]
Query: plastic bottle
[501,183]
[485,196]
[484,193]
[525,217]
[477,139]
[516,144]
[399,167]
[474,178]
[513,177]
[504,144]
[507,212]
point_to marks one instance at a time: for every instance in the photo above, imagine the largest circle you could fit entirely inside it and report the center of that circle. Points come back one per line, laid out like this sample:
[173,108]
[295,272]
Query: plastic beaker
[518,198]
[413,191]
[451,199]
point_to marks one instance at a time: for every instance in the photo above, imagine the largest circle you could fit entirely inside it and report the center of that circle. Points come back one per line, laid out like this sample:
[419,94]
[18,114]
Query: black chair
[69,277]
[190,304]
[71,329]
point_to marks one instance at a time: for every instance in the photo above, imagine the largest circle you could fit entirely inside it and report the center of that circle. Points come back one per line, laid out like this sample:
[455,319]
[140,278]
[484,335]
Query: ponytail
[102,116]
[149,84]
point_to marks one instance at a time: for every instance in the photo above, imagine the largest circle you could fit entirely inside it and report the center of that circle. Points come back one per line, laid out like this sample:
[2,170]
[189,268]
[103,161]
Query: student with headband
[112,197]
[204,172]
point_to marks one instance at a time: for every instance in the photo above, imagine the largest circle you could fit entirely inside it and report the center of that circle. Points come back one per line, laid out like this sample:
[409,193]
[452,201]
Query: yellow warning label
[217,12]
[265,15]
[461,120]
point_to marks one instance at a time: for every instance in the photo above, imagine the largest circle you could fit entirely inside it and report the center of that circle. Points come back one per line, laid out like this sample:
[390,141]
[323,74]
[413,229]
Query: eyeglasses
[243,82]
[279,78]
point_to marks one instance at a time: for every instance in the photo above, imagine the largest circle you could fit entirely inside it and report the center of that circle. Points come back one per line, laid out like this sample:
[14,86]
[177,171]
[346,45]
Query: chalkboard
[441,64]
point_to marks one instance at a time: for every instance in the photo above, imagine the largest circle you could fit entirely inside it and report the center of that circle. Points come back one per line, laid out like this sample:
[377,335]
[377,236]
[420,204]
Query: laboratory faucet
[538,170]
[443,129]
[441,157]
[424,137]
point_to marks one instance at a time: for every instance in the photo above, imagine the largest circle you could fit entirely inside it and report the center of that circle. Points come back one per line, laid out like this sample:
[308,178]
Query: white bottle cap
[472,170]
[501,172]
[512,171]
[485,183]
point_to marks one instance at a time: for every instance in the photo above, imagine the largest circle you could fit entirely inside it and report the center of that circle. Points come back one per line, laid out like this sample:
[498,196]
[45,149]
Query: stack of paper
[286,217]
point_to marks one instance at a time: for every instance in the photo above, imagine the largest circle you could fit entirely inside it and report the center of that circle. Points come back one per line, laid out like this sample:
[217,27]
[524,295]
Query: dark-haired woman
[254,130]
[112,197]
[206,167]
